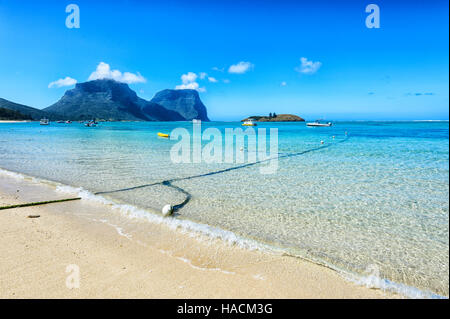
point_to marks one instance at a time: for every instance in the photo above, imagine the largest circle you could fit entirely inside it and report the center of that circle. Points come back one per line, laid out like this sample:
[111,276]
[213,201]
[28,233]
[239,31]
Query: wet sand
[140,259]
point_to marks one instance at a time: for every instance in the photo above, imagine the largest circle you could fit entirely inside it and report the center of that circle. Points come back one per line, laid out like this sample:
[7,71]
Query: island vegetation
[273,117]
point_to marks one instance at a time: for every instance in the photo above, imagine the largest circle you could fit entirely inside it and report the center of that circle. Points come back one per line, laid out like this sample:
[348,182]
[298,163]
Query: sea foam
[188,227]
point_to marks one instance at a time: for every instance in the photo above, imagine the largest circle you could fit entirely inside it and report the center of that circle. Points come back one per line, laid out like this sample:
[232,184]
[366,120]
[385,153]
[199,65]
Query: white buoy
[167,210]
[321,142]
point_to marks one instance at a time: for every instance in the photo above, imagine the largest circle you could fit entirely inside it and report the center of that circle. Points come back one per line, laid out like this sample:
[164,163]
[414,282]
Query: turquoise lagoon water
[376,198]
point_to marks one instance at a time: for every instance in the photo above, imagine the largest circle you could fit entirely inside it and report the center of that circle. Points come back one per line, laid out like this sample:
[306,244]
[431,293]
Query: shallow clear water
[375,199]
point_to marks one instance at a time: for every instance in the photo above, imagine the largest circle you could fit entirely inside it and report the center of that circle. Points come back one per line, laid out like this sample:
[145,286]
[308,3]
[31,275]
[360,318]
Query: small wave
[14,175]
[444,121]
[375,282]
[117,228]
[21,176]
[189,262]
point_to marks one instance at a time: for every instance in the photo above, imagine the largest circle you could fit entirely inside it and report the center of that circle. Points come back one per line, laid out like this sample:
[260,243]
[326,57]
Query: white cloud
[189,82]
[308,67]
[218,69]
[204,75]
[188,77]
[67,81]
[240,68]
[226,81]
[189,86]
[104,71]
[283,83]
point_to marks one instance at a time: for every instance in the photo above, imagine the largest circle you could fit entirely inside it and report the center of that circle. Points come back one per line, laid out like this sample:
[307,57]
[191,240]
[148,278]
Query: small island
[275,118]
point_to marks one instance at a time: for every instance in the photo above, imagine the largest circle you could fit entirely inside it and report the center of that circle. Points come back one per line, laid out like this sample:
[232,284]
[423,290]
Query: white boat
[90,124]
[249,122]
[44,122]
[319,123]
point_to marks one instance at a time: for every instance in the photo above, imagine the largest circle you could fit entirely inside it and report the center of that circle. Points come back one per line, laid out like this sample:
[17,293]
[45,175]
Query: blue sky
[252,49]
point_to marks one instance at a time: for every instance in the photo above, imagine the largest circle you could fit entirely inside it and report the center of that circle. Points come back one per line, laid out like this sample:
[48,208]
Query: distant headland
[273,117]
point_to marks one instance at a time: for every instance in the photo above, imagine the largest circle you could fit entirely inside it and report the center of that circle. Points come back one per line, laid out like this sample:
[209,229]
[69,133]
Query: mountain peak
[185,102]
[101,85]
[103,99]
[107,99]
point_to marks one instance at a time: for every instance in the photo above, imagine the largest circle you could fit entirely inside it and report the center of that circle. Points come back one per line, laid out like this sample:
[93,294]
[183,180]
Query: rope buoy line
[39,203]
[169,182]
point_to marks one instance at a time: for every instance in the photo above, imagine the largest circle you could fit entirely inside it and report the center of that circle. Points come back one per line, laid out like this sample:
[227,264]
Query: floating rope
[169,182]
[39,203]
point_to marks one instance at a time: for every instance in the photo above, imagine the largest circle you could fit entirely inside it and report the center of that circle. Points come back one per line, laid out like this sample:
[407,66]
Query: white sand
[158,263]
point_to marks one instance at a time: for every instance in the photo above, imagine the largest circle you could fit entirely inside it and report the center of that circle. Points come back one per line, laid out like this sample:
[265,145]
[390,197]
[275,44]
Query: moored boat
[44,122]
[163,135]
[319,123]
[249,122]
[90,124]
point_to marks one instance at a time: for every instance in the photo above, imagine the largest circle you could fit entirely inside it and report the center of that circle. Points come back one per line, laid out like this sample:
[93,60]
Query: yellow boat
[249,122]
[163,135]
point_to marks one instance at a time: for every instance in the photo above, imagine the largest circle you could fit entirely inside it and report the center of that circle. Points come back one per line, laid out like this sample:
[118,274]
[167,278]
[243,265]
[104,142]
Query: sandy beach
[36,252]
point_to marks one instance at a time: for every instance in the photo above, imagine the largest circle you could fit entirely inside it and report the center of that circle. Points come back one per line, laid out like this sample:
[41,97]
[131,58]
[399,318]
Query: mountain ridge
[185,102]
[25,110]
[106,99]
